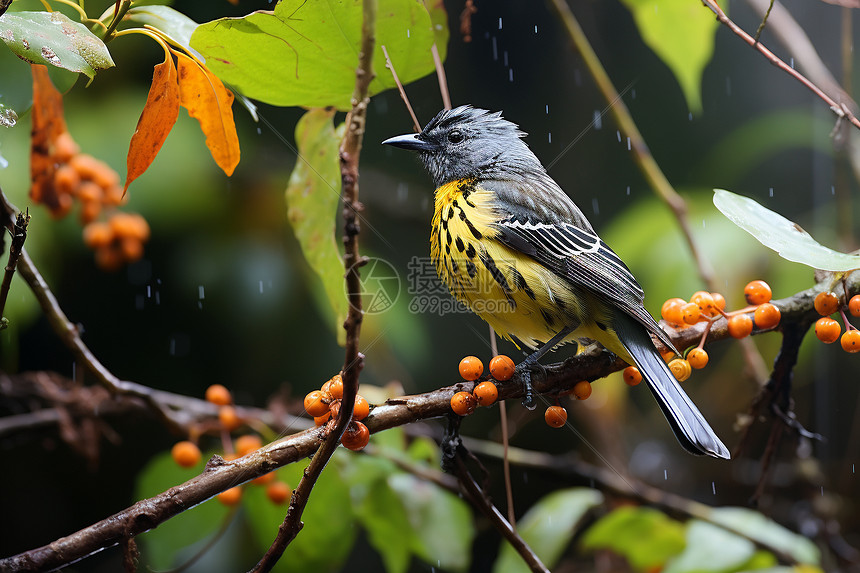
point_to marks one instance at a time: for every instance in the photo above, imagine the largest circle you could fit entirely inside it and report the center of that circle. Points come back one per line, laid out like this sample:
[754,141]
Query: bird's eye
[455,136]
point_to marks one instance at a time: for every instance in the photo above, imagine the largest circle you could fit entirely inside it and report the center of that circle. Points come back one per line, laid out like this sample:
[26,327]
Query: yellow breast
[512,292]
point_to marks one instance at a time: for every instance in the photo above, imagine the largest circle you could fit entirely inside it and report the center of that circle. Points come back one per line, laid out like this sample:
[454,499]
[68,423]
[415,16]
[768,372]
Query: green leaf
[305,53]
[548,527]
[711,548]
[682,35]
[388,529]
[312,196]
[173,23]
[760,528]
[442,531]
[644,536]
[162,544]
[329,529]
[52,38]
[783,236]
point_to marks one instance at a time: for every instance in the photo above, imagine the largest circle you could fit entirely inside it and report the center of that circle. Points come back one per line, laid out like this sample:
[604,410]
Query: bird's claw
[523,375]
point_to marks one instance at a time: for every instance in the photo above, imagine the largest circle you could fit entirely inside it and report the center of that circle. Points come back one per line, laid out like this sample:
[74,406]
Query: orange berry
[186,454]
[669,304]
[854,305]
[131,249]
[690,313]
[767,315]
[632,376]
[671,311]
[719,300]
[247,444]
[66,179]
[320,420]
[229,418]
[698,358]
[326,386]
[827,330]
[335,387]
[471,368]
[757,292]
[463,403]
[555,416]
[582,390]
[63,206]
[218,394]
[88,191]
[361,409]
[681,369]
[230,497]
[90,211]
[65,147]
[486,393]
[502,368]
[278,492]
[315,403]
[826,303]
[355,437]
[113,195]
[108,258]
[740,326]
[704,301]
[851,341]
[97,235]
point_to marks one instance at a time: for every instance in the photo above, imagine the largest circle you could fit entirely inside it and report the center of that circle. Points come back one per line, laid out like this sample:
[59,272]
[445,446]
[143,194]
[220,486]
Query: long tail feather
[690,427]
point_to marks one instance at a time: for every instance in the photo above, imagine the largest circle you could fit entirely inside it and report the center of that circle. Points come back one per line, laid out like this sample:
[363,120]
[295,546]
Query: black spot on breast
[471,269]
[475,232]
[497,275]
[559,302]
[547,317]
[460,246]
[601,326]
[470,251]
[520,283]
[448,237]
[451,212]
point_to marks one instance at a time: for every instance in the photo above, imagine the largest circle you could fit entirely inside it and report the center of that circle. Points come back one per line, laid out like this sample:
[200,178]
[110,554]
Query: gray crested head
[467,142]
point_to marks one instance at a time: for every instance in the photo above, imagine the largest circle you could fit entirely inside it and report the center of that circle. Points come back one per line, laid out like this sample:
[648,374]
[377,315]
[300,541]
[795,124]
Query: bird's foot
[523,375]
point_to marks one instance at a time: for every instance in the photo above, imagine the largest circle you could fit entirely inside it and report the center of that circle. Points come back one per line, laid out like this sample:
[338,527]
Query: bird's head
[468,142]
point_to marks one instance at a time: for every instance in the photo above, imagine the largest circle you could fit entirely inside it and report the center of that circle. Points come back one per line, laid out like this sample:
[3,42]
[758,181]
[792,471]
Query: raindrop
[618,133]
[505,58]
[597,122]
[628,144]
[500,22]
[408,33]
[495,50]
[628,190]
[665,474]
[549,137]
[595,206]
[200,293]
[714,488]
[402,191]
[547,109]
[633,94]
[200,304]
[792,63]
[535,28]
[259,131]
[770,191]
[74,370]
[690,116]
[261,287]
[703,223]
[4,163]
[822,487]
[157,298]
[833,190]
[511,74]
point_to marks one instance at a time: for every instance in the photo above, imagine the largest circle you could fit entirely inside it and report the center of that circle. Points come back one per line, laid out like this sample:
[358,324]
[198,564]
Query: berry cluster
[486,393]
[709,307]
[92,183]
[187,454]
[828,330]
[324,406]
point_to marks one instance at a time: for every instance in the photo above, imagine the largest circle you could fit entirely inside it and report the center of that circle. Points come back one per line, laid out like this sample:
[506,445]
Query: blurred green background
[223,294]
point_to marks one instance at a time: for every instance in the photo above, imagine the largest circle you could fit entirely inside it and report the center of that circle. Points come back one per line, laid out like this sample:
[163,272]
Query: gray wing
[583,258]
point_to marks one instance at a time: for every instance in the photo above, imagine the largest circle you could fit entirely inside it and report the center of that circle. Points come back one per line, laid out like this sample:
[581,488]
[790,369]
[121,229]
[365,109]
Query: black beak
[409,141]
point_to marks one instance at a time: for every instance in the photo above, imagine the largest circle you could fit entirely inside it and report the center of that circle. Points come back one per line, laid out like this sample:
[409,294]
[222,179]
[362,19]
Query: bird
[510,243]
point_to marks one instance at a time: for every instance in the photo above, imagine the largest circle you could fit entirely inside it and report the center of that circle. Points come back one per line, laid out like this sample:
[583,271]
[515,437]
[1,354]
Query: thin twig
[840,109]
[641,153]
[763,22]
[440,74]
[353,362]
[19,235]
[506,466]
[480,500]
[390,66]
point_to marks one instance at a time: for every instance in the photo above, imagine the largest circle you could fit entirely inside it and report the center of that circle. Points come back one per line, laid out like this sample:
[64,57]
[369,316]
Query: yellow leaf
[156,120]
[209,102]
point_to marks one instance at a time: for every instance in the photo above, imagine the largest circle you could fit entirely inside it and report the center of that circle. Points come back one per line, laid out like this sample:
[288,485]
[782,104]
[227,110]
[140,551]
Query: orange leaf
[156,120]
[48,125]
[208,101]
